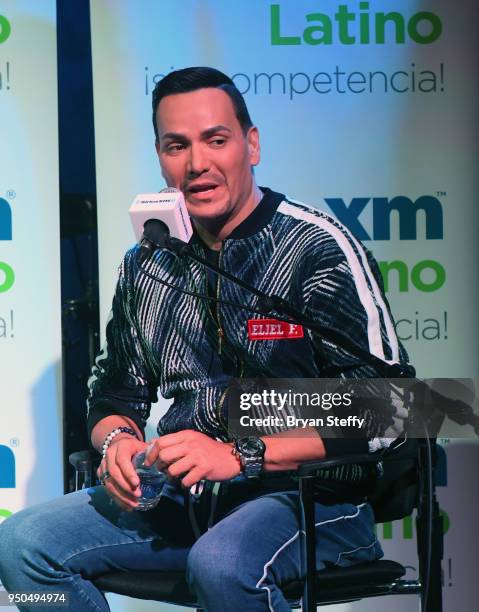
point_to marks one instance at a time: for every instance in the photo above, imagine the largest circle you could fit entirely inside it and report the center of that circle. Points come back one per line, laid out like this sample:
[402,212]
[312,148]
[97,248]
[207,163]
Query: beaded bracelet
[112,434]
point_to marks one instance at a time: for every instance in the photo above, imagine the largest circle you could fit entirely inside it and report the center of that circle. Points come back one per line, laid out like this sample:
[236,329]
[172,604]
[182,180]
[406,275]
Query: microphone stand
[456,410]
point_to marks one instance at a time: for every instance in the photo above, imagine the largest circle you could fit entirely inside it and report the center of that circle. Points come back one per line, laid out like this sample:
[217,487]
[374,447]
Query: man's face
[204,153]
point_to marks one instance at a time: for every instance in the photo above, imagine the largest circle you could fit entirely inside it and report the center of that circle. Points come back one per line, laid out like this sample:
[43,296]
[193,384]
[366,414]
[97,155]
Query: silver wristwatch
[250,451]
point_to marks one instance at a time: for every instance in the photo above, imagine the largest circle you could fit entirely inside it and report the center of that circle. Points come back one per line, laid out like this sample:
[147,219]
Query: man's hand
[192,456]
[122,485]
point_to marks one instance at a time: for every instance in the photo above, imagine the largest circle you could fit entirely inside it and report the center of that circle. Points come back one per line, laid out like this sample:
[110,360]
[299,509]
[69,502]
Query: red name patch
[271,329]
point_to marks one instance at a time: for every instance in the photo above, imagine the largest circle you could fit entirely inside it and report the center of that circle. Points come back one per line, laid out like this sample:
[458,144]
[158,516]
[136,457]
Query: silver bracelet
[109,438]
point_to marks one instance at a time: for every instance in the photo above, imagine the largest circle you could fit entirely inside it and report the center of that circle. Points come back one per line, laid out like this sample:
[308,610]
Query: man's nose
[199,161]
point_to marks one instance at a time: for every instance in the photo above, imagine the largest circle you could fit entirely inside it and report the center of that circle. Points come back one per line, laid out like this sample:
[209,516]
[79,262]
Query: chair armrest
[309,468]
[406,450]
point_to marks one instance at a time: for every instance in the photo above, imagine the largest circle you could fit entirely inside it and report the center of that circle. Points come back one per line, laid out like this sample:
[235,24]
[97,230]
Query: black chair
[405,481]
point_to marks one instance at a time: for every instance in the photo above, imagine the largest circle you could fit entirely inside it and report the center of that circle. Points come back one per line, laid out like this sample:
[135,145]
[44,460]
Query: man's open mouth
[202,187]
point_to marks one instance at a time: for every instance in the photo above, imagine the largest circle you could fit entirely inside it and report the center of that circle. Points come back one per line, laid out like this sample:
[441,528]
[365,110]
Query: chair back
[396,493]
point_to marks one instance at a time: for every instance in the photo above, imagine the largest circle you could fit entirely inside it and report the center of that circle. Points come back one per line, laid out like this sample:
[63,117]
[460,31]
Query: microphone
[158,219]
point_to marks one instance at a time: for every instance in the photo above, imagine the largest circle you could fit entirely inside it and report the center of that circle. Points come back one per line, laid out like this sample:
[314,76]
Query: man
[249,540]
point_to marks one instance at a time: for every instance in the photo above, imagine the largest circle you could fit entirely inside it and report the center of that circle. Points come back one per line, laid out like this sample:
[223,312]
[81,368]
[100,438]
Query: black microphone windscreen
[156,231]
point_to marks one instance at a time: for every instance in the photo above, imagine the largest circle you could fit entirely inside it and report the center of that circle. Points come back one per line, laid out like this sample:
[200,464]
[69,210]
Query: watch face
[251,446]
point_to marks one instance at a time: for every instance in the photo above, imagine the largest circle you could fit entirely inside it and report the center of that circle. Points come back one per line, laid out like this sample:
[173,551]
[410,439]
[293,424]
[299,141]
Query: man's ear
[254,148]
[157,147]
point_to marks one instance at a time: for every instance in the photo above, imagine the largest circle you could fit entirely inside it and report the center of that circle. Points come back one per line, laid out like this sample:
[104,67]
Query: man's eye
[217,142]
[175,147]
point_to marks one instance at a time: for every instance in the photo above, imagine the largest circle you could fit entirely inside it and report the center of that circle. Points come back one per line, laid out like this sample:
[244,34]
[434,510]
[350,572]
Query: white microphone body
[167,206]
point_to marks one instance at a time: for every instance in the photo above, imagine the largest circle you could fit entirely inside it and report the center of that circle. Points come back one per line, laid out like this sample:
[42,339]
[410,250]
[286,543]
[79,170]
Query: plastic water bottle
[151,482]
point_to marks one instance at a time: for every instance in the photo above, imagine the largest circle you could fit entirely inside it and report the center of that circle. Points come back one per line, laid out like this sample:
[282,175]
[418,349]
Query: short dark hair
[199,77]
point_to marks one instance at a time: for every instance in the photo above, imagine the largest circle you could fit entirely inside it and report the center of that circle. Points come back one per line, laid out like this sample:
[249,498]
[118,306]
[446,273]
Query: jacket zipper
[220,330]
[221,339]
[216,317]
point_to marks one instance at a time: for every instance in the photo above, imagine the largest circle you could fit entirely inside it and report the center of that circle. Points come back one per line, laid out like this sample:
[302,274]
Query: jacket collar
[259,218]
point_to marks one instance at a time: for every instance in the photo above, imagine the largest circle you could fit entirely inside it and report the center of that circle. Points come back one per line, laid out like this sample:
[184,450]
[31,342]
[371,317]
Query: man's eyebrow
[173,136]
[215,129]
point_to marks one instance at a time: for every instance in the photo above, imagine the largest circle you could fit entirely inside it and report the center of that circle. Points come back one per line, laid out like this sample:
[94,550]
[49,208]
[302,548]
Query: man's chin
[212,221]
[207,210]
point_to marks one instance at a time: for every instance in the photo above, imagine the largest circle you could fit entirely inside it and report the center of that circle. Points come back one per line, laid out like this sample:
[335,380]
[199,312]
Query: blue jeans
[237,564]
